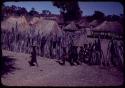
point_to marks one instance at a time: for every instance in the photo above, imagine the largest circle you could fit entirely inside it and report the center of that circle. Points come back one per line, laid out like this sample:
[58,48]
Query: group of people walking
[73,56]
[91,53]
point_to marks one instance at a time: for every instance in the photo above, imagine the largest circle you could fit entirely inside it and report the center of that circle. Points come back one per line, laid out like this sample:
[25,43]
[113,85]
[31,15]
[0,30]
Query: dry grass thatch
[71,26]
[12,22]
[93,23]
[110,27]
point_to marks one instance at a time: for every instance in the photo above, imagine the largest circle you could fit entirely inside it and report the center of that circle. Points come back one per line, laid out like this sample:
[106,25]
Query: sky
[88,8]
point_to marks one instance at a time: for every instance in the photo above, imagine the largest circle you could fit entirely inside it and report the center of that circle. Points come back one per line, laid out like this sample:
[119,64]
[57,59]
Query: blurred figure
[50,48]
[42,44]
[70,55]
[98,52]
[91,58]
[89,53]
[33,57]
[54,48]
[85,54]
[81,54]
[64,57]
[121,51]
[73,55]
[112,52]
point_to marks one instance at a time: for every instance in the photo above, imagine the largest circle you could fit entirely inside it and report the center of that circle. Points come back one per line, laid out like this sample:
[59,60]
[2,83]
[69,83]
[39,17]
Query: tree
[69,9]
[46,12]
[98,16]
[115,18]
[90,18]
[108,17]
[33,12]
[121,20]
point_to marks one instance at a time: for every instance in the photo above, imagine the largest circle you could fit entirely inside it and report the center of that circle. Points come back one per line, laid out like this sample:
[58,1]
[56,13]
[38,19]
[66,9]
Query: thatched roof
[48,26]
[12,22]
[83,23]
[109,27]
[38,24]
[35,20]
[71,27]
[116,27]
[93,23]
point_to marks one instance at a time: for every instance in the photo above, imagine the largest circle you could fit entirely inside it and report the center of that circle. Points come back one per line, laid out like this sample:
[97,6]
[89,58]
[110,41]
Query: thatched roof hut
[108,30]
[83,23]
[13,22]
[47,27]
[37,24]
[106,26]
[35,20]
[70,27]
[94,23]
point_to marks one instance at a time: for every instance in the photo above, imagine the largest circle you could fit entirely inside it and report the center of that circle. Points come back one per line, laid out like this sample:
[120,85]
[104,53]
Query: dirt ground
[50,73]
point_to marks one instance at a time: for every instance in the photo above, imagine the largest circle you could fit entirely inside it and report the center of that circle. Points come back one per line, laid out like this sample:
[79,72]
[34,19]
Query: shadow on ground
[7,65]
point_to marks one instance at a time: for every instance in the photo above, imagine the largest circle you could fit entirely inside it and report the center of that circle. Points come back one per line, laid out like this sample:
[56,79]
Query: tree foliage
[33,12]
[98,15]
[69,9]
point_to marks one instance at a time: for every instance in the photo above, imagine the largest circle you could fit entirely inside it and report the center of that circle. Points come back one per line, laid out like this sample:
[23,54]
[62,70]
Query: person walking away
[33,57]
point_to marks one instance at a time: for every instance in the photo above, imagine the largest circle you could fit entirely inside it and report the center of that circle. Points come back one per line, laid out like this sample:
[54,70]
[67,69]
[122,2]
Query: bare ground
[50,73]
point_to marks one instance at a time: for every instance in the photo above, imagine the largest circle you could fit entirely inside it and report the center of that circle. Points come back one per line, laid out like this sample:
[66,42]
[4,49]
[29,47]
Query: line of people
[89,53]
[92,54]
